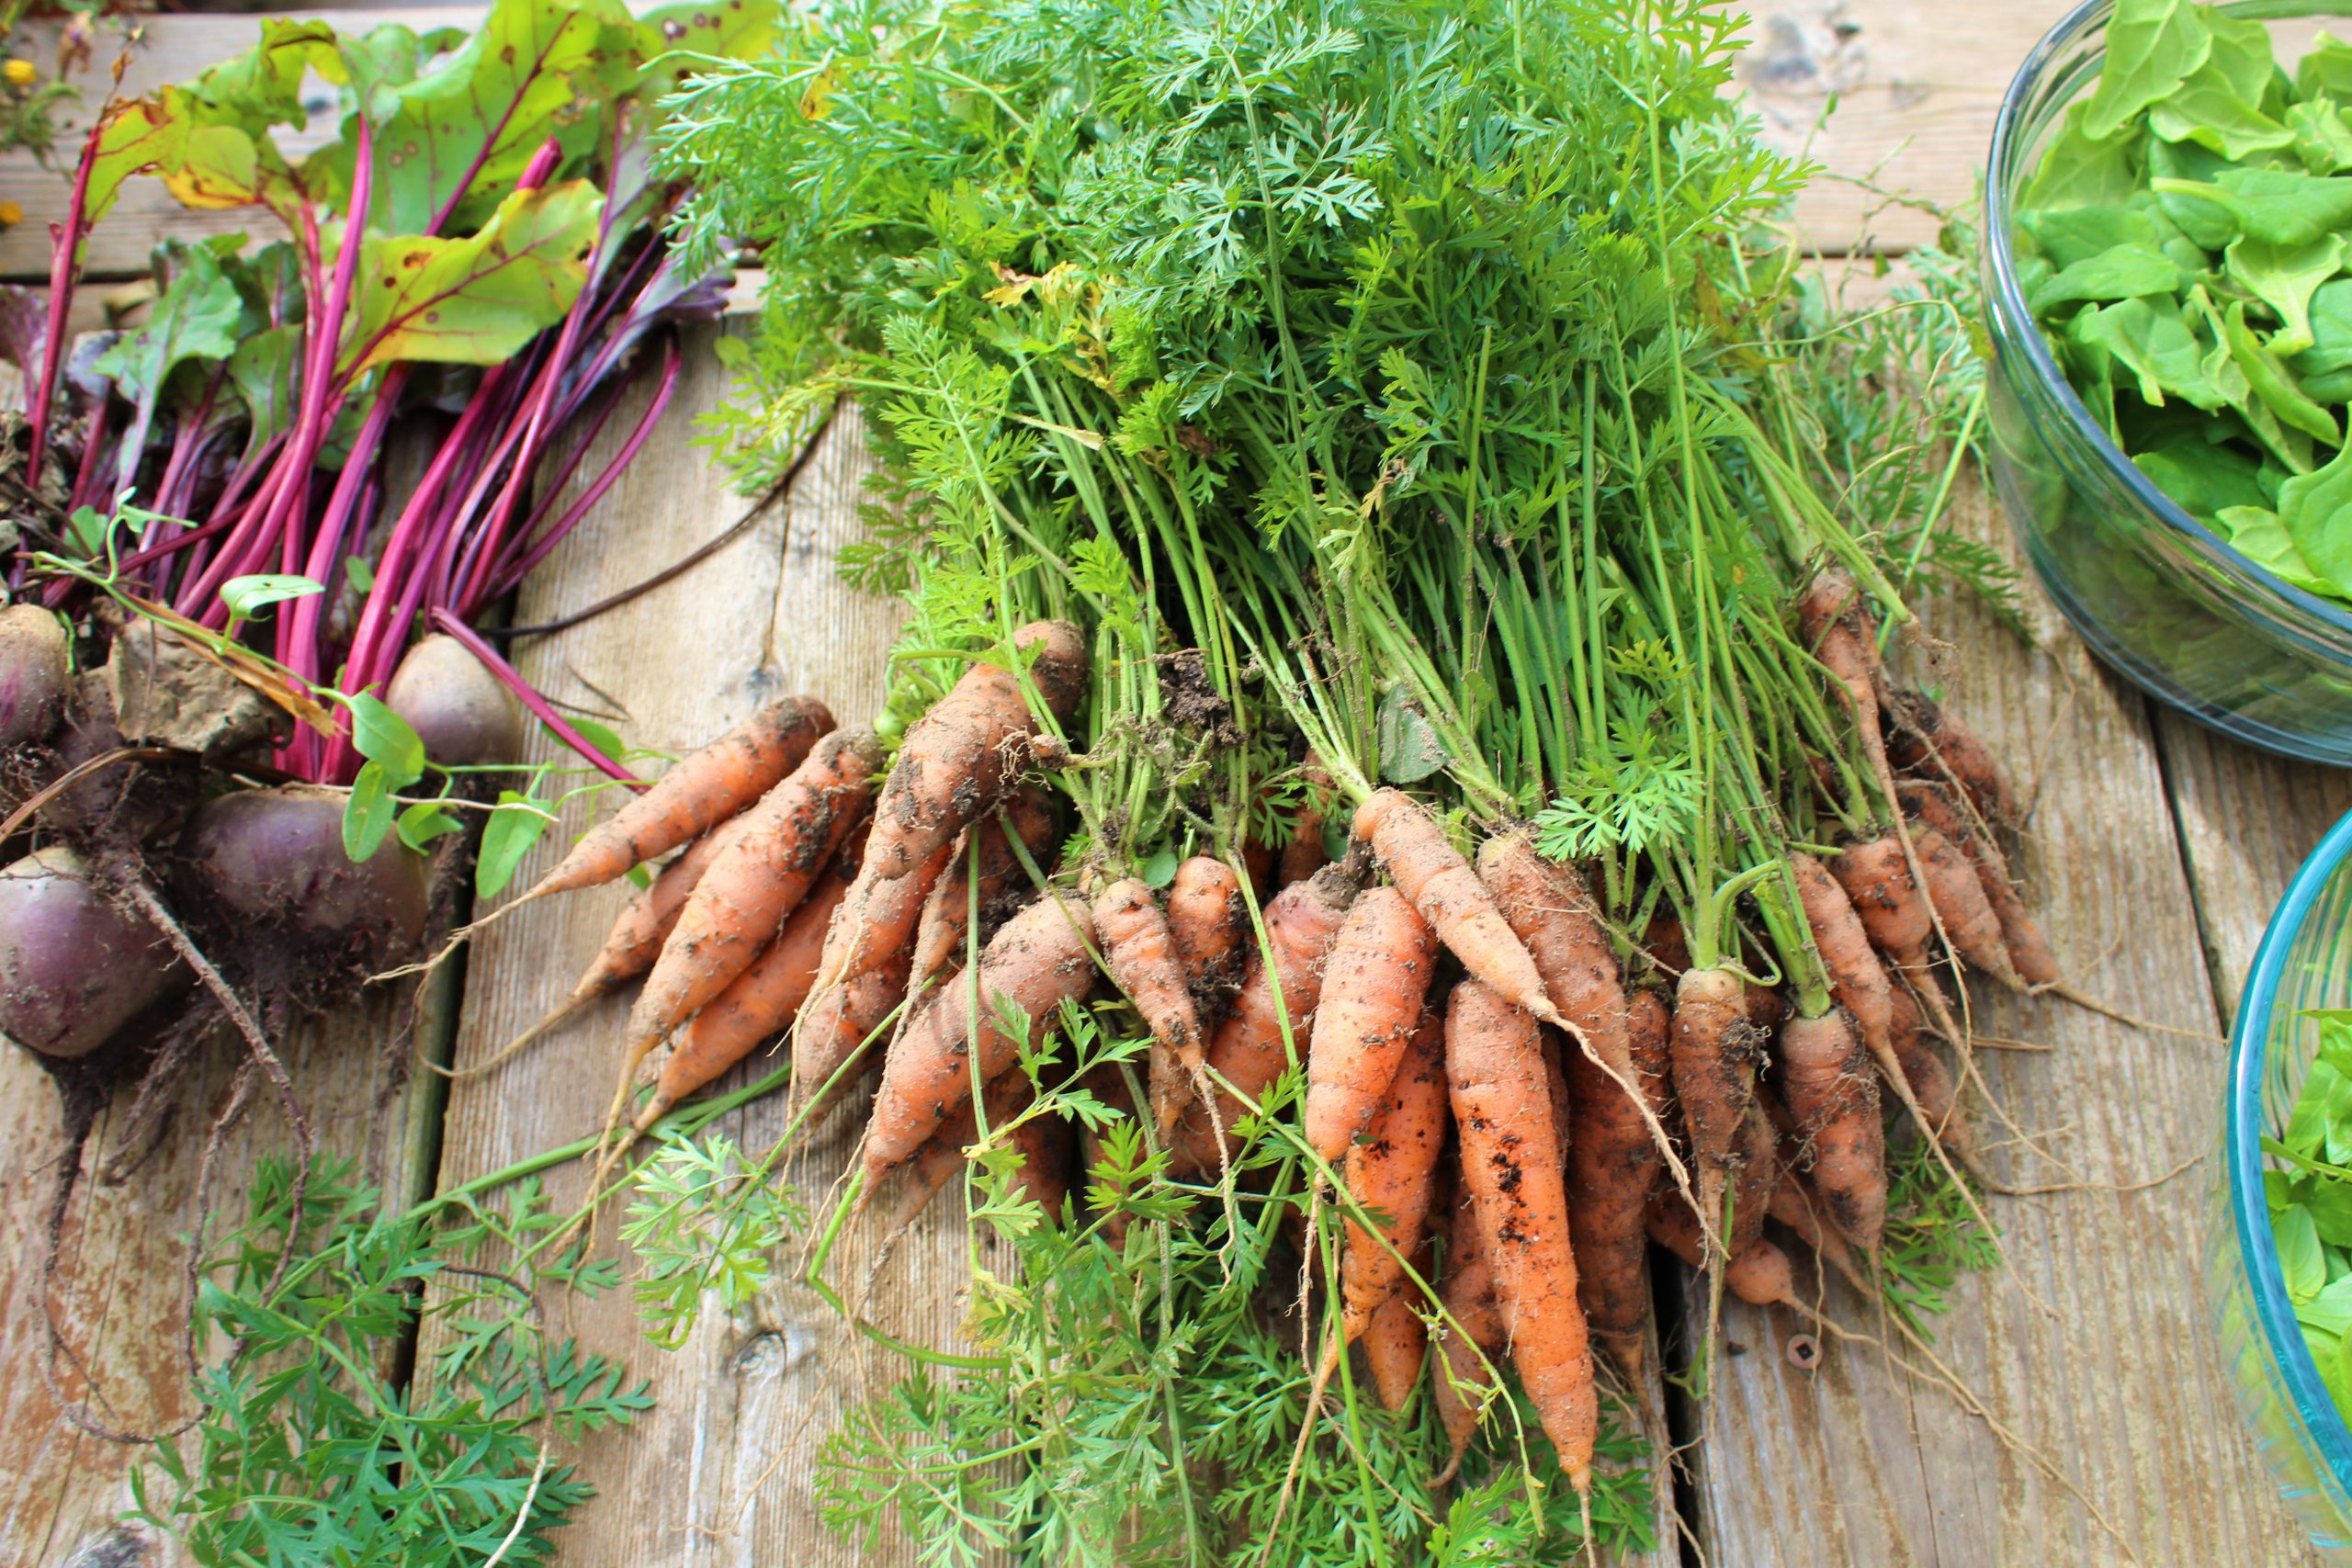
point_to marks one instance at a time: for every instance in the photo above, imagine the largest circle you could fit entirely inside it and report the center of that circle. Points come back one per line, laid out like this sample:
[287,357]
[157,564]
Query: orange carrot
[1765,1008]
[737,909]
[1756,1171]
[1438,883]
[1140,953]
[1714,1074]
[1876,875]
[1857,981]
[630,947]
[1962,909]
[1375,980]
[1931,742]
[699,791]
[1207,921]
[1760,1274]
[1837,628]
[762,1000]
[1500,1104]
[2029,949]
[952,765]
[1829,1088]
[943,932]
[1930,1082]
[1040,1141]
[1261,863]
[1397,1340]
[1649,1033]
[1039,960]
[1248,1050]
[1795,1205]
[1304,855]
[1471,1324]
[1666,947]
[1394,1172]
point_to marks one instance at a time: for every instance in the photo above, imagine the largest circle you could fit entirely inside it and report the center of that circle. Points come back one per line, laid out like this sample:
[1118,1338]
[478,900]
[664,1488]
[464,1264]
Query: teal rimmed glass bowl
[2304,961]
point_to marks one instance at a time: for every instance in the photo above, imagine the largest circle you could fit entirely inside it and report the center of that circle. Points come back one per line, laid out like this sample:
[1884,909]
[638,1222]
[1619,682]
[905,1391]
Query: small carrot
[945,1154]
[699,791]
[738,908]
[1795,1205]
[1207,921]
[1649,1034]
[1666,947]
[1827,1085]
[2029,949]
[835,1022]
[1961,907]
[1760,1274]
[1755,1172]
[1713,1051]
[761,1001]
[1376,979]
[1040,959]
[1397,1340]
[1470,1328]
[1876,875]
[1249,1051]
[1412,849]
[1929,1082]
[1838,629]
[1140,952]
[1930,741]
[943,932]
[1503,1111]
[1394,1173]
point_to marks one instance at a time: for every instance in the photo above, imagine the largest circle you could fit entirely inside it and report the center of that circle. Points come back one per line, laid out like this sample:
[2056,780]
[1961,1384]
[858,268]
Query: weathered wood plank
[2095,1347]
[119,1298]
[156,50]
[1916,88]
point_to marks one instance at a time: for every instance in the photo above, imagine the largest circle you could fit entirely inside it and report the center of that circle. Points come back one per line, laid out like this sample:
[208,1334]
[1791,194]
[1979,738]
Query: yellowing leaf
[475,300]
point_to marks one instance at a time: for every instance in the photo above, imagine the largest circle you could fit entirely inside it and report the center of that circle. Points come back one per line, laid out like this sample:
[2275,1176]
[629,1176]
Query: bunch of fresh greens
[2184,245]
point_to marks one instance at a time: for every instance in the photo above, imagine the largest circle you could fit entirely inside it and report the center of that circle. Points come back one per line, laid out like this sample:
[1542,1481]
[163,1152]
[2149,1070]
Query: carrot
[762,1000]
[1248,1050]
[1375,981]
[737,909]
[1760,1274]
[1140,953]
[2028,950]
[1470,1328]
[1556,1089]
[1836,627]
[1961,907]
[1394,1172]
[1206,920]
[1397,1340]
[1876,875]
[1714,1050]
[943,932]
[836,1021]
[1665,946]
[1649,1030]
[1261,861]
[1756,1170]
[1795,1206]
[630,947]
[1039,960]
[1857,981]
[1496,1070]
[1304,855]
[945,1154]
[1432,874]
[699,791]
[1928,740]
[1827,1085]
[955,762]
[1765,1008]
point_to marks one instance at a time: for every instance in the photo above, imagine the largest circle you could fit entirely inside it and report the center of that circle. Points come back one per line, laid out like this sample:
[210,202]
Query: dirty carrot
[1140,953]
[1761,1274]
[943,932]
[1930,741]
[2028,950]
[1040,959]
[1394,1172]
[1412,849]
[1712,1057]
[1495,1067]
[1376,979]
[702,790]
[1827,1082]
[1470,1328]
[1207,921]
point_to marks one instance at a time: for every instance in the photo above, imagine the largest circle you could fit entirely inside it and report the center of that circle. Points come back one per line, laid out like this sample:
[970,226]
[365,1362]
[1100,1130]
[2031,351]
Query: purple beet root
[266,868]
[73,968]
[465,714]
[34,670]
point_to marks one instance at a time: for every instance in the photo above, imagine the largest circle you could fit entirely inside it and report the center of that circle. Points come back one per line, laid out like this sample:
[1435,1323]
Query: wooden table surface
[2154,853]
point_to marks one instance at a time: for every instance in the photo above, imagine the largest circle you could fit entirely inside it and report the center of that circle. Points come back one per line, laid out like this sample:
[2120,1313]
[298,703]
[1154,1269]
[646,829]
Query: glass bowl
[2155,594]
[2304,961]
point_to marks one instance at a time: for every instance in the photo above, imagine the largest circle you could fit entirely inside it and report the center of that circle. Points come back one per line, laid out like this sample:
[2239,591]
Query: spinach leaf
[2120,273]
[2151,47]
[2285,278]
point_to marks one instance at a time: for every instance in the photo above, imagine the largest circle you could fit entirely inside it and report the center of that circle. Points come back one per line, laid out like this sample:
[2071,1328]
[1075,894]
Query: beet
[34,669]
[134,801]
[73,968]
[465,714]
[264,870]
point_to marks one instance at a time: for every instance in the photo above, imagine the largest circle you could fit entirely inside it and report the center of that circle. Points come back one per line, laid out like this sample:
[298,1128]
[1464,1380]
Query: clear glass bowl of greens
[2163,597]
[2303,968]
